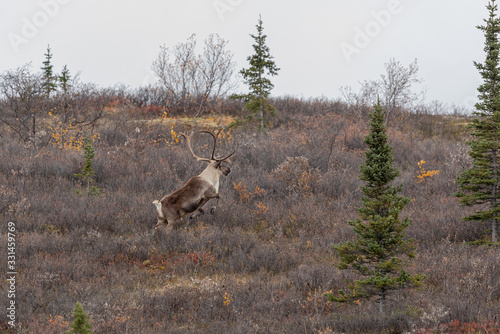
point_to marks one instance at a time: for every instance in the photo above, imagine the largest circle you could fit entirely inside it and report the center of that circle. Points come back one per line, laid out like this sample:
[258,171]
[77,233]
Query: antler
[226,158]
[212,158]
[215,136]
[188,141]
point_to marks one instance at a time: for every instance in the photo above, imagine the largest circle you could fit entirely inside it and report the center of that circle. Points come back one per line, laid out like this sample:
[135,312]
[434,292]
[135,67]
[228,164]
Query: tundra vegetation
[264,261]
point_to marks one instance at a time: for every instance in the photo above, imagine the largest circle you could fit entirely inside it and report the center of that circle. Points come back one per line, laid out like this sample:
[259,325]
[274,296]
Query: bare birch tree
[394,89]
[195,82]
[21,97]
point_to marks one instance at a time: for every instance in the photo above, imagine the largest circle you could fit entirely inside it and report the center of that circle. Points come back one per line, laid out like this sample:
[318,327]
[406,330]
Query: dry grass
[262,263]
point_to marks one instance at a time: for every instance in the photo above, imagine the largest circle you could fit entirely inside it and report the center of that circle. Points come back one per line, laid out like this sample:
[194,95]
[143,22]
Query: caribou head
[196,192]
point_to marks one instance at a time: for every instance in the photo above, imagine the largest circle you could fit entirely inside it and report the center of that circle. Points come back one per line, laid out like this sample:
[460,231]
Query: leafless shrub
[195,83]
[21,102]
[83,104]
[150,96]
[298,177]
[393,89]
[314,277]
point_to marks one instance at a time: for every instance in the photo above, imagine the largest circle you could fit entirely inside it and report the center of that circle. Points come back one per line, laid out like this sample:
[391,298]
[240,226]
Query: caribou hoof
[196,214]
[212,210]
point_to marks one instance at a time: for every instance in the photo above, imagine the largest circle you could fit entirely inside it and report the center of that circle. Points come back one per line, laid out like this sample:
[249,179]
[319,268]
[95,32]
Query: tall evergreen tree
[479,185]
[262,65]
[49,80]
[64,80]
[380,251]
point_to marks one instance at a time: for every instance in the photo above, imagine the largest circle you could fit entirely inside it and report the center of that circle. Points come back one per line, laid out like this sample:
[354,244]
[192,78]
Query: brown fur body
[195,193]
[190,198]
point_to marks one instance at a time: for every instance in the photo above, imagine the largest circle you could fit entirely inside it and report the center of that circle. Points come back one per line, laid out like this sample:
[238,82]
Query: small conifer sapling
[87,174]
[81,322]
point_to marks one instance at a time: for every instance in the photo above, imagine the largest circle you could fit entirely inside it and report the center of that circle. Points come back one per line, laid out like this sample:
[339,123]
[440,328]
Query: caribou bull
[196,192]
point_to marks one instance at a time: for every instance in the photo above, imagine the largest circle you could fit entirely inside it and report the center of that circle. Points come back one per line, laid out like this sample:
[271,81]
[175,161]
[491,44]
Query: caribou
[196,192]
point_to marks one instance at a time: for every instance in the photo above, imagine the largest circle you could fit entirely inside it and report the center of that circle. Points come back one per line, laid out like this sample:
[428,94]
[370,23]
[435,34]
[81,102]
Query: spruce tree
[380,251]
[81,323]
[49,84]
[262,65]
[64,80]
[479,185]
[87,174]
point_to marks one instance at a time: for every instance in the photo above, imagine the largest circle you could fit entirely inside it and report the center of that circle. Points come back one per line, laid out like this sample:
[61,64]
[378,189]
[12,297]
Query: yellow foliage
[67,136]
[423,173]
[261,208]
[200,122]
[175,135]
[245,195]
[242,190]
[227,299]
[259,191]
[58,322]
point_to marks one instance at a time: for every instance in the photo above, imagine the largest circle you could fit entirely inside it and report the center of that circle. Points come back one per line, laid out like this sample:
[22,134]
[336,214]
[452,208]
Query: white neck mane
[211,175]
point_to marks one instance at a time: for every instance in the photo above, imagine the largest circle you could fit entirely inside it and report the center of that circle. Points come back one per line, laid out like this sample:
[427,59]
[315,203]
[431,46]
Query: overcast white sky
[320,45]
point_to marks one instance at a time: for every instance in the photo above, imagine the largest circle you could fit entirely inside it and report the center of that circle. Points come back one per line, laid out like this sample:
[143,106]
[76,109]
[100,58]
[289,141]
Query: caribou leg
[213,208]
[196,214]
